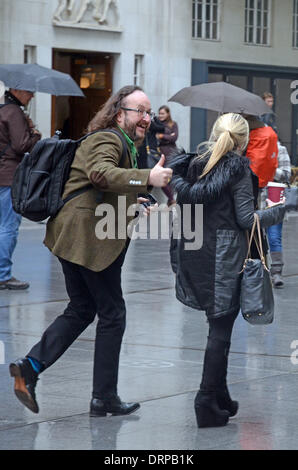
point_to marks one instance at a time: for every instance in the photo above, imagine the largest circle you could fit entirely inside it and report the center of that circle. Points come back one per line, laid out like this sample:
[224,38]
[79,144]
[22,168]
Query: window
[295,23]
[206,19]
[29,54]
[138,71]
[257,22]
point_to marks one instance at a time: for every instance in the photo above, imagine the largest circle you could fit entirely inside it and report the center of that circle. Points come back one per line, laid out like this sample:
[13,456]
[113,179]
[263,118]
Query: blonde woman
[208,279]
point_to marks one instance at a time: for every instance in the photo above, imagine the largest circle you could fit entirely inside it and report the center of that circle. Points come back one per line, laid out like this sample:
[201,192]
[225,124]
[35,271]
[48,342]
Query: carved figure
[64,5]
[103,6]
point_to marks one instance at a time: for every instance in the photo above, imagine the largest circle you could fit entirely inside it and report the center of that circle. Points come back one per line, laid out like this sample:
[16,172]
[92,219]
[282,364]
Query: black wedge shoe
[207,411]
[223,397]
[25,383]
[225,402]
[114,406]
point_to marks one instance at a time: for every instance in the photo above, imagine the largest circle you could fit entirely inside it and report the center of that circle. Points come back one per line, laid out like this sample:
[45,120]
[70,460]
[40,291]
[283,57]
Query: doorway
[92,72]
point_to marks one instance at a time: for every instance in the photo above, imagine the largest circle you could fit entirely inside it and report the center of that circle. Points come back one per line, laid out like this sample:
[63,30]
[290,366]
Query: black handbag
[291,195]
[153,156]
[256,299]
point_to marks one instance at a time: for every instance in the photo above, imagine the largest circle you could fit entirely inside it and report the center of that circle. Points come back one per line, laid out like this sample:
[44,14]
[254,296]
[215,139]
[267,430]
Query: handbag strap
[257,240]
[249,239]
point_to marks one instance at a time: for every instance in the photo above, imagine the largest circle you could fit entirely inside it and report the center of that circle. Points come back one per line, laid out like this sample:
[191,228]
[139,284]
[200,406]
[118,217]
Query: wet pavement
[161,362]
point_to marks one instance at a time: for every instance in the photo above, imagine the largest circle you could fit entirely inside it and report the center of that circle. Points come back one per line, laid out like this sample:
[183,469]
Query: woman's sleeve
[244,205]
[170,135]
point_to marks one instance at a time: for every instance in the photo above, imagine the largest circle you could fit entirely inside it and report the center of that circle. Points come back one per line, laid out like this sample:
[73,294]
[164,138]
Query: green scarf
[132,148]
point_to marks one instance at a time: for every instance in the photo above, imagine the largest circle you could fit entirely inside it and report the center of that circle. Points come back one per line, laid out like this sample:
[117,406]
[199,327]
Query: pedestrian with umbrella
[17,136]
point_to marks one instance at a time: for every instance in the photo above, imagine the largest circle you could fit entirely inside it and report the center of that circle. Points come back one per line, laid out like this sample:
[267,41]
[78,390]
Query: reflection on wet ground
[161,361]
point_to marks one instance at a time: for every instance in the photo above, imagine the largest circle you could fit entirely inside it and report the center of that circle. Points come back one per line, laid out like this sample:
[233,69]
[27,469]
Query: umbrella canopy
[222,97]
[34,77]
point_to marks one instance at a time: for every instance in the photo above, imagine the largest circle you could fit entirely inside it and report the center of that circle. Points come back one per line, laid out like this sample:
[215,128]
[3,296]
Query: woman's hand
[272,204]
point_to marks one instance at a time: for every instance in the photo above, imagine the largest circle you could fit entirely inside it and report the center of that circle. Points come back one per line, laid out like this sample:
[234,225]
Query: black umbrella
[34,77]
[222,97]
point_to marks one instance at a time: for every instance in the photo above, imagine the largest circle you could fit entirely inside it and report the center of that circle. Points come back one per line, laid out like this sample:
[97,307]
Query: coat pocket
[229,258]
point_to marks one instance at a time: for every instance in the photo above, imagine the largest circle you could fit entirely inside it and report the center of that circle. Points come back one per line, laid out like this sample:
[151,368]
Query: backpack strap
[121,161]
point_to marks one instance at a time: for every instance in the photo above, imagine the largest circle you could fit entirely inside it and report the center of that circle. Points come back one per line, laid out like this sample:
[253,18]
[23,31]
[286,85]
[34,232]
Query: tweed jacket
[74,234]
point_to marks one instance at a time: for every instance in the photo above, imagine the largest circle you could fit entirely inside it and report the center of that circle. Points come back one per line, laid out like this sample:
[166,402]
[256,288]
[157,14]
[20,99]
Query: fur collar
[192,190]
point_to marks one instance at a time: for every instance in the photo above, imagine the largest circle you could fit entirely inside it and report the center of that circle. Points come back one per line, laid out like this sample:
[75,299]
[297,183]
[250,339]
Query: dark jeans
[90,293]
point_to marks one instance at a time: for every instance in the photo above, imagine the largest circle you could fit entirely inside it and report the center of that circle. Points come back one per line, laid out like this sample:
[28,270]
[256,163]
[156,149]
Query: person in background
[150,142]
[282,175]
[167,143]
[17,136]
[208,278]
[269,118]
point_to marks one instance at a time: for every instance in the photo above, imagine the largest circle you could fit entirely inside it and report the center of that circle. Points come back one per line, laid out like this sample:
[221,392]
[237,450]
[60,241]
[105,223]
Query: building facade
[161,45]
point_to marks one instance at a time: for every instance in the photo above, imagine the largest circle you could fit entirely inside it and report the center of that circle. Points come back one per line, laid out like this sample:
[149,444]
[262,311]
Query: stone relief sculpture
[63,5]
[70,12]
[102,9]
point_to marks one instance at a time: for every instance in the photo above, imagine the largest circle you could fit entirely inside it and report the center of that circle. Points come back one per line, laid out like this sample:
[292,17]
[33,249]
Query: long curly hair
[106,116]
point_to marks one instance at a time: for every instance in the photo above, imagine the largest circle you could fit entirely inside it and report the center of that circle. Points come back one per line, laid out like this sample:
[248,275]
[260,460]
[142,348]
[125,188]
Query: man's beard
[131,131]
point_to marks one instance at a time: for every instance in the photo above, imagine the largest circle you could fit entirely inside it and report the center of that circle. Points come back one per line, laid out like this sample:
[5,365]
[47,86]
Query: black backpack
[40,178]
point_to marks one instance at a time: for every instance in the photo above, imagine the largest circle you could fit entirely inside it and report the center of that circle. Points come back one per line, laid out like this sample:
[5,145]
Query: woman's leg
[207,407]
[220,330]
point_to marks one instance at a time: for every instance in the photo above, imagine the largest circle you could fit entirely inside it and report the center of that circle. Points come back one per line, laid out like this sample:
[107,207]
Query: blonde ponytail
[230,131]
[223,145]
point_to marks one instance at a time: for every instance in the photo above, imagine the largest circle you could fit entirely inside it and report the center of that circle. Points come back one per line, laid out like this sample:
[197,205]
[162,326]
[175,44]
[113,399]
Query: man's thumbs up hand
[160,176]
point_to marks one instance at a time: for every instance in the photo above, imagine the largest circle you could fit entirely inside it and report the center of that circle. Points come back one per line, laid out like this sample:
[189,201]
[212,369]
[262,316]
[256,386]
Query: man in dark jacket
[17,136]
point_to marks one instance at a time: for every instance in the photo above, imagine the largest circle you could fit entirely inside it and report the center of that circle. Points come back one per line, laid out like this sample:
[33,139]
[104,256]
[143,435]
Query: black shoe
[25,383]
[225,402]
[112,405]
[207,411]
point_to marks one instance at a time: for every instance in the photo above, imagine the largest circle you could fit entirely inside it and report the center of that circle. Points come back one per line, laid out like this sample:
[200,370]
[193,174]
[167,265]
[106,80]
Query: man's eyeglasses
[142,113]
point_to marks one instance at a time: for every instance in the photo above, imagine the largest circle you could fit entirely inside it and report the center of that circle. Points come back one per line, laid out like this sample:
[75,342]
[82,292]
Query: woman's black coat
[209,278]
